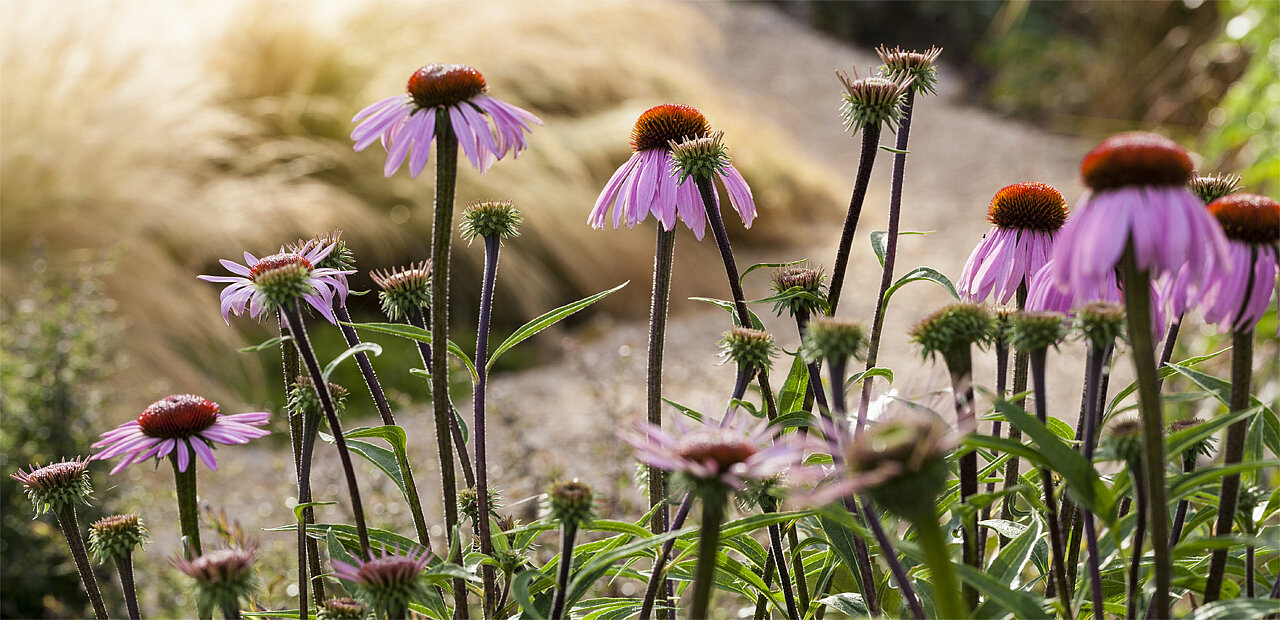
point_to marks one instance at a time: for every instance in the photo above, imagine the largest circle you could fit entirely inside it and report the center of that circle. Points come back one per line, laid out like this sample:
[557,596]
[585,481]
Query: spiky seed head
[658,126]
[699,157]
[405,290]
[871,101]
[56,486]
[440,84]
[900,65]
[750,349]
[1001,327]
[1123,441]
[799,289]
[116,537]
[469,502]
[1211,188]
[1248,218]
[1136,158]
[340,257]
[1201,447]
[1037,331]
[282,278]
[952,330]
[303,399]
[1028,206]
[909,448]
[343,609]
[496,218]
[223,577]
[1102,323]
[571,502]
[387,583]
[837,340]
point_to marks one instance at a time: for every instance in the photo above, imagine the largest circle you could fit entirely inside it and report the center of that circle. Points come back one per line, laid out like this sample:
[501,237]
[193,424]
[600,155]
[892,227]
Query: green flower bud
[1202,447]
[1001,327]
[223,577]
[303,399]
[750,349]
[699,157]
[837,340]
[1123,441]
[571,502]
[343,609]
[872,101]
[405,290]
[901,65]
[116,537]
[952,330]
[469,504]
[909,449]
[1211,188]
[799,289]
[1102,323]
[492,218]
[1037,331]
[56,486]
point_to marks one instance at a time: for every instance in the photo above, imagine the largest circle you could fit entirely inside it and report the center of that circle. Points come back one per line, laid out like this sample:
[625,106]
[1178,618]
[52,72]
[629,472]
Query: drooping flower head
[405,290]
[179,424]
[872,101]
[799,290]
[116,536]
[645,183]
[903,66]
[1139,197]
[387,583]
[1240,292]
[408,123]
[272,282]
[56,486]
[223,577]
[707,453]
[1025,218]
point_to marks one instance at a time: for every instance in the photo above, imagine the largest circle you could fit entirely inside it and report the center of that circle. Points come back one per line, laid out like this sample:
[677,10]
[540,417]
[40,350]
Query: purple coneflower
[1139,193]
[408,122]
[181,424]
[708,452]
[1238,298]
[264,284]
[223,577]
[387,583]
[1025,217]
[646,184]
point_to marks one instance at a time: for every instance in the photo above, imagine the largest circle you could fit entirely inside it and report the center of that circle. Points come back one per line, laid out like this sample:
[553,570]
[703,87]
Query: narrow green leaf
[1219,388]
[1020,603]
[419,335]
[1177,443]
[688,412]
[878,241]
[890,149]
[383,458]
[530,329]
[1082,481]
[1008,529]
[297,510]
[363,347]
[1168,370]
[1237,609]
[871,373]
[337,551]
[1008,564]
[393,433]
[520,587]
[743,277]
[732,309]
[268,344]
[922,273]
[847,603]
[842,540]
[791,398]
[818,300]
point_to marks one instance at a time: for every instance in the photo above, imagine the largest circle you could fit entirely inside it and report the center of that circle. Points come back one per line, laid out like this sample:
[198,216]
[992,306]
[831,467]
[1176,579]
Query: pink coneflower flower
[1139,195]
[646,184]
[387,584]
[407,122]
[268,283]
[181,424]
[730,454]
[1237,298]
[1025,217]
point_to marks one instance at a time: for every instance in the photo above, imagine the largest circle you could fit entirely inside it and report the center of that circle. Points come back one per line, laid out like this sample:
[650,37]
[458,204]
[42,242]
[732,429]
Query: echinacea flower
[1239,295]
[116,536]
[708,452]
[1025,217]
[1139,198]
[645,183]
[56,486]
[387,583]
[408,123]
[223,577]
[872,101]
[272,282]
[179,424]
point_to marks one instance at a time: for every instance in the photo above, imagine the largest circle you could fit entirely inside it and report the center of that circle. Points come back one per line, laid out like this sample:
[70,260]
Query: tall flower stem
[188,506]
[1058,567]
[362,360]
[308,356]
[1097,361]
[418,319]
[891,248]
[70,526]
[895,566]
[310,426]
[816,393]
[308,549]
[1170,339]
[1137,301]
[1021,364]
[1002,378]
[491,245]
[442,235]
[946,586]
[1180,515]
[1140,498]
[870,144]
[961,369]
[713,512]
[1232,453]
[568,532]
[124,566]
[663,258]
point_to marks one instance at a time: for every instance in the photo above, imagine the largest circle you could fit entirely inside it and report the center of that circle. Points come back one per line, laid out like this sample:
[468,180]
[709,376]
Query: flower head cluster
[56,486]
[644,184]
[405,290]
[750,349]
[1241,291]
[1037,331]
[903,66]
[872,101]
[1025,218]
[952,330]
[441,96]
[387,583]
[571,502]
[707,453]
[116,536]
[181,424]
[224,577]
[303,400]
[272,282]
[495,218]
[799,290]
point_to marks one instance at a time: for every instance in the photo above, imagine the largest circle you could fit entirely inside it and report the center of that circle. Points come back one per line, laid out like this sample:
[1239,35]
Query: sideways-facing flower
[1240,292]
[645,183]
[910,68]
[407,122]
[56,486]
[1139,198]
[405,290]
[707,452]
[871,101]
[269,283]
[1025,217]
[224,577]
[387,583]
[181,424]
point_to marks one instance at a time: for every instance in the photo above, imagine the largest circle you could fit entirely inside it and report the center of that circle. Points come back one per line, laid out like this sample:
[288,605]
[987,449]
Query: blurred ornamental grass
[172,156]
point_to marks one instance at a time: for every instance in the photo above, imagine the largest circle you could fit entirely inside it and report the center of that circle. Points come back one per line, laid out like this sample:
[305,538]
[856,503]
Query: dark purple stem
[870,144]
[1232,453]
[71,530]
[491,245]
[1058,566]
[362,360]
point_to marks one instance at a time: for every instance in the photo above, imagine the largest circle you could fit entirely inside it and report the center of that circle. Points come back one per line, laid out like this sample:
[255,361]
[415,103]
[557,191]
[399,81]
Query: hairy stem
[70,526]
[1058,566]
[568,532]
[870,144]
[1134,594]
[188,506]
[362,360]
[663,258]
[862,554]
[124,566]
[899,573]
[960,365]
[713,511]
[1002,376]
[1232,453]
[491,245]
[1021,364]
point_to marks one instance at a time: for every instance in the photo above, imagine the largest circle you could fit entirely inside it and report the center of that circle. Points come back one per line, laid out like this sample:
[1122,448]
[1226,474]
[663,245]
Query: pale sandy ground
[561,418]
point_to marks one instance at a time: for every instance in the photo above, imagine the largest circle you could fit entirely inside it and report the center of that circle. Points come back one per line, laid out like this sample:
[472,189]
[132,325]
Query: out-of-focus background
[141,140]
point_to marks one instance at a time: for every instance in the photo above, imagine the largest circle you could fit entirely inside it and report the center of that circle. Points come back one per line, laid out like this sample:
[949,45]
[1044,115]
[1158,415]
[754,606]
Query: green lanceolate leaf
[791,398]
[383,458]
[871,373]
[363,347]
[847,603]
[732,309]
[1237,609]
[520,587]
[530,329]
[743,278]
[1165,372]
[419,335]
[1020,603]
[1082,481]
[297,510]
[1008,564]
[922,273]
[268,344]
[878,241]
